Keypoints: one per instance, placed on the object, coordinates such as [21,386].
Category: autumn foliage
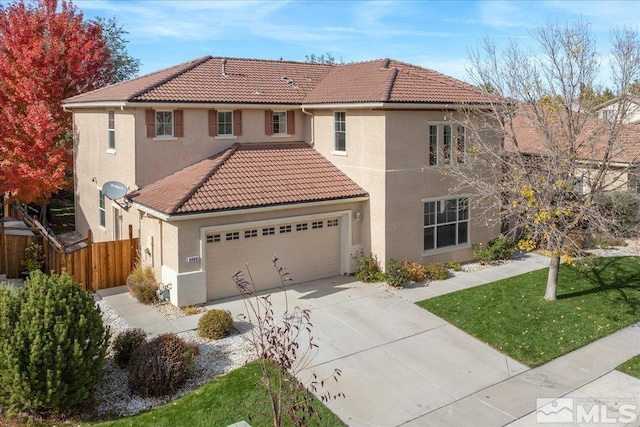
[47,53]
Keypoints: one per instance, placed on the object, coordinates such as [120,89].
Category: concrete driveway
[398,361]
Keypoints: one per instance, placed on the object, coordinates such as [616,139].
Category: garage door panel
[307,254]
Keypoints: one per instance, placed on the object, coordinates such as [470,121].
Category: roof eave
[216,214]
[397,105]
[173,104]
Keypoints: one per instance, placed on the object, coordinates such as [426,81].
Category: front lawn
[594,300]
[229,399]
[631,367]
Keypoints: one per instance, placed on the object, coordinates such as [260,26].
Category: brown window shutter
[178,124]
[237,122]
[150,123]
[291,122]
[268,122]
[213,122]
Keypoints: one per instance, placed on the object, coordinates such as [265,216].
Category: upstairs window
[447,144]
[164,123]
[225,123]
[281,123]
[340,129]
[111,129]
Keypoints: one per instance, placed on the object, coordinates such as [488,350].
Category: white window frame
[111,131]
[342,131]
[102,211]
[447,152]
[282,123]
[158,124]
[225,123]
[433,220]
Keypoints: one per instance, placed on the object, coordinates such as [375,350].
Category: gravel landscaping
[111,395]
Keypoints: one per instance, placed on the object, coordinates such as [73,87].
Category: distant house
[227,162]
[629,112]
[591,148]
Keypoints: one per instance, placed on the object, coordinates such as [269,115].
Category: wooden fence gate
[93,265]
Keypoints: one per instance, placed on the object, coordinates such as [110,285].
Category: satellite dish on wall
[114,190]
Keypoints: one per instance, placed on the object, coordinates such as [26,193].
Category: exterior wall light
[358,216]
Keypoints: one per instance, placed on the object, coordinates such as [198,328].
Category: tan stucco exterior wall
[95,164]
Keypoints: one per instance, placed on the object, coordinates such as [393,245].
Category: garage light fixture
[357,216]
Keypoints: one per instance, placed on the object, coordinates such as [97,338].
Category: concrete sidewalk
[405,366]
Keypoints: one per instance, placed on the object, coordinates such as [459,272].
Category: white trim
[168,217]
[181,105]
[111,151]
[281,135]
[445,250]
[225,137]
[164,138]
[339,153]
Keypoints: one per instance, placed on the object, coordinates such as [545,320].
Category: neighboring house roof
[388,80]
[250,176]
[591,144]
[235,80]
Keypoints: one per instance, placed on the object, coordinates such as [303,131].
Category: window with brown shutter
[268,122]
[237,122]
[150,123]
[291,122]
[213,123]
[178,124]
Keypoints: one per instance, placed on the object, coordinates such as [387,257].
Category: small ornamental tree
[52,344]
[284,346]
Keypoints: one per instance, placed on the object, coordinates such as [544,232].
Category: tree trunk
[552,279]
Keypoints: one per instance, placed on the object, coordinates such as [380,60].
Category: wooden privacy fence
[94,265]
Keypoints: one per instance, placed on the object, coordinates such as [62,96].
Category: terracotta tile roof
[249,176]
[388,80]
[590,145]
[285,82]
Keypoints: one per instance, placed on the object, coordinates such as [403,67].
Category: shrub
[396,274]
[52,344]
[215,324]
[367,267]
[125,344]
[499,248]
[160,366]
[436,271]
[622,208]
[142,284]
[33,258]
[454,265]
[416,271]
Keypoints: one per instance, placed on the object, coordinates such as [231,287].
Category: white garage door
[309,250]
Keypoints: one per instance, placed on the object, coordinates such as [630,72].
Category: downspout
[312,125]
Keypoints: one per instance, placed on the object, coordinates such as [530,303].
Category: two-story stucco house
[230,161]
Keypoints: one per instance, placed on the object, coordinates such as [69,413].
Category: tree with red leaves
[47,53]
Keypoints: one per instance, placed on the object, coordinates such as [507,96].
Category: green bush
[33,257]
[160,366]
[126,343]
[52,344]
[142,284]
[416,271]
[436,271]
[367,267]
[622,207]
[454,265]
[215,324]
[500,248]
[396,273]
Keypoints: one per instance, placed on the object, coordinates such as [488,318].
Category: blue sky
[433,34]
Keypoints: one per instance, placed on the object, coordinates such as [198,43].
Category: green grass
[233,397]
[594,300]
[631,367]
